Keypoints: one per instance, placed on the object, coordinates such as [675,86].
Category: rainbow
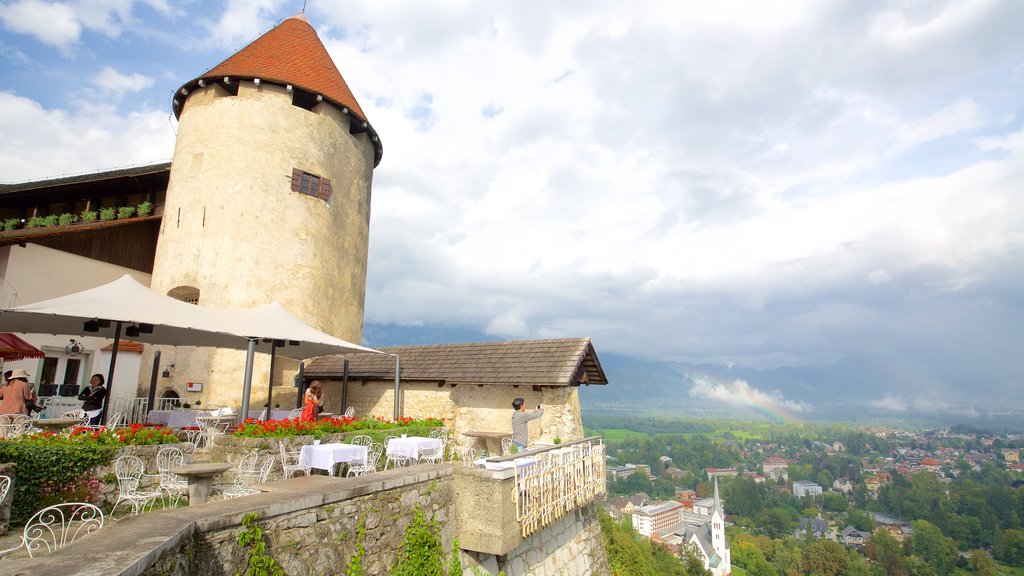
[739,393]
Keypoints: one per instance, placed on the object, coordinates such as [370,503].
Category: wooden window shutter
[296,179]
[325,190]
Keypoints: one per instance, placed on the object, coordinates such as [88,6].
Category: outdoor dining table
[57,424]
[492,440]
[412,446]
[173,418]
[327,456]
[200,479]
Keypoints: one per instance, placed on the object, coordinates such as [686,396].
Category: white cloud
[110,80]
[960,116]
[86,140]
[242,21]
[51,23]
[923,405]
[739,393]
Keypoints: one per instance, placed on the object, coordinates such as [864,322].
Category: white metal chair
[59,525]
[468,456]
[373,452]
[171,485]
[212,425]
[5,487]
[433,455]
[76,413]
[245,467]
[113,422]
[290,463]
[293,414]
[361,440]
[350,412]
[129,471]
[397,460]
[263,415]
[14,425]
[441,435]
[506,446]
[244,484]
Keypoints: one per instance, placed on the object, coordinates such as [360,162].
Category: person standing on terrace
[314,402]
[520,419]
[16,393]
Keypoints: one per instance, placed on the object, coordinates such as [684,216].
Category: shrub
[125,212]
[145,208]
[66,219]
[108,214]
[288,427]
[11,224]
[51,220]
[35,222]
[89,216]
[51,469]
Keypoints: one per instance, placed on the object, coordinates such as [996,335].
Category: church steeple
[718,503]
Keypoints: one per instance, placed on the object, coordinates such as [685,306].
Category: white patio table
[327,456]
[412,446]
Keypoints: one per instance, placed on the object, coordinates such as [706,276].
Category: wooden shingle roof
[558,362]
[290,53]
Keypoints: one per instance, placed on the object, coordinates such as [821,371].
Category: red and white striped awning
[14,348]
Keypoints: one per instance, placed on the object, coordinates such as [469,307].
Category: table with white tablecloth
[327,456]
[274,414]
[413,446]
[173,418]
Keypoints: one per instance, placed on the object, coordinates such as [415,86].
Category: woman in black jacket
[92,398]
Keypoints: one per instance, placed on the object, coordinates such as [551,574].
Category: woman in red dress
[314,394]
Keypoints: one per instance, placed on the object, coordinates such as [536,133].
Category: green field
[616,433]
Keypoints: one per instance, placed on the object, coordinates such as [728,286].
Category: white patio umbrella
[154,318]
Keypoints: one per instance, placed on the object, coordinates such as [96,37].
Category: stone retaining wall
[572,546]
[310,526]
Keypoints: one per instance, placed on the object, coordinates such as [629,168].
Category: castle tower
[268,198]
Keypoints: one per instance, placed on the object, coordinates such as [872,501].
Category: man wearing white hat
[15,393]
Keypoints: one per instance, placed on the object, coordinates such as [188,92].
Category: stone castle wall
[311,526]
[466,406]
[571,546]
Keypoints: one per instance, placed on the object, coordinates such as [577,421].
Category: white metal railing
[54,406]
[134,409]
[553,482]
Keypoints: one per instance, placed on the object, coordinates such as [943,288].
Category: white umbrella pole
[250,353]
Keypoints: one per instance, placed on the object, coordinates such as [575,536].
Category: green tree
[982,563]
[745,496]
[824,557]
[917,566]
[859,520]
[932,547]
[885,551]
[833,502]
[1013,547]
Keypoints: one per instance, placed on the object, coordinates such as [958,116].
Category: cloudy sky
[765,183]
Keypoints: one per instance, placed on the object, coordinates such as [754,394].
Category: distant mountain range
[876,389]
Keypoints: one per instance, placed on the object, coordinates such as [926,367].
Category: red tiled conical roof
[290,53]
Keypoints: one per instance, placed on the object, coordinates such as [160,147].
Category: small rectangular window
[311,184]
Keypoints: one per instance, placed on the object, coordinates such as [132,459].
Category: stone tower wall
[233,228]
